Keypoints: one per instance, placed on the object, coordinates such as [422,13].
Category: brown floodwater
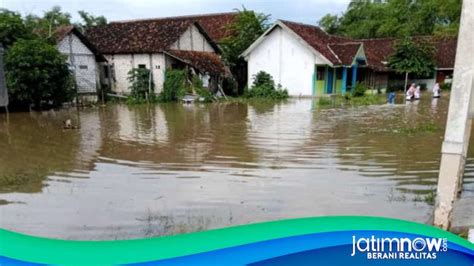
[142,171]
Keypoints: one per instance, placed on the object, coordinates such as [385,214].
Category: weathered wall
[123,63]
[83,60]
[287,59]
[192,40]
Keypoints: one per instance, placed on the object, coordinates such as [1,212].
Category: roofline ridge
[173,17]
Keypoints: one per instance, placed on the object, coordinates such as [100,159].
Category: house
[161,44]
[309,62]
[83,59]
[306,60]
[379,76]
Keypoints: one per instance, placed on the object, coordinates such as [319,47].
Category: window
[141,66]
[106,71]
[320,72]
[339,73]
[84,67]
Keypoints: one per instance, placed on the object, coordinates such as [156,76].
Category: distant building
[188,42]
[82,58]
[309,62]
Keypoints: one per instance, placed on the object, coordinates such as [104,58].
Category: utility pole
[458,127]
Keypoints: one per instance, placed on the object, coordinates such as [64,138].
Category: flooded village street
[142,171]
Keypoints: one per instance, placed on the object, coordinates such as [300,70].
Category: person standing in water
[417,92]
[436,91]
[410,92]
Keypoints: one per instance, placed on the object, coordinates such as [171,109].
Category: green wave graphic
[54,251]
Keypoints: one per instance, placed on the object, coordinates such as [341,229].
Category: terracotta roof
[203,61]
[156,35]
[63,31]
[324,43]
[216,25]
[346,52]
[137,37]
[378,51]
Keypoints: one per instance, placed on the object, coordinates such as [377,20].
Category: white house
[305,60]
[82,58]
[156,44]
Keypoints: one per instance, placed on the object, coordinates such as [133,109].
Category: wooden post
[458,127]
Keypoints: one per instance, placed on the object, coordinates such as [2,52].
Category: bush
[264,87]
[174,87]
[204,94]
[359,90]
[38,74]
[142,88]
[446,86]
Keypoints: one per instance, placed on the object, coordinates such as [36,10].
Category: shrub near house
[37,74]
[264,87]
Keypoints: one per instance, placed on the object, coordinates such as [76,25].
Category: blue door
[330,81]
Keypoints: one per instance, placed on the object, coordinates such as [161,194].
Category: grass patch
[429,198]
[428,127]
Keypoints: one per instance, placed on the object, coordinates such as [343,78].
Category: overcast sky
[308,11]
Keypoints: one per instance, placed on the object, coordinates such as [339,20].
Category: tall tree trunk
[405,87]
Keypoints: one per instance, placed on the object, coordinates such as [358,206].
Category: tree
[247,27]
[12,27]
[412,57]
[142,86]
[37,74]
[51,20]
[174,86]
[89,20]
[396,18]
[329,23]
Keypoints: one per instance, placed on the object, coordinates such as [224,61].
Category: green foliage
[428,127]
[264,87]
[141,84]
[174,87]
[230,86]
[413,57]
[89,20]
[329,23]
[247,27]
[204,94]
[324,102]
[359,90]
[12,28]
[37,73]
[446,86]
[368,99]
[396,18]
[50,21]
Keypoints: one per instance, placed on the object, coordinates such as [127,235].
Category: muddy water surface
[131,172]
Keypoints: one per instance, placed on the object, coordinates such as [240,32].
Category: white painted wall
[123,63]
[83,60]
[192,40]
[287,59]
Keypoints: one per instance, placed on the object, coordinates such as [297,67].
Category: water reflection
[151,170]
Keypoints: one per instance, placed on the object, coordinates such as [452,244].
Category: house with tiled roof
[186,42]
[309,62]
[82,58]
